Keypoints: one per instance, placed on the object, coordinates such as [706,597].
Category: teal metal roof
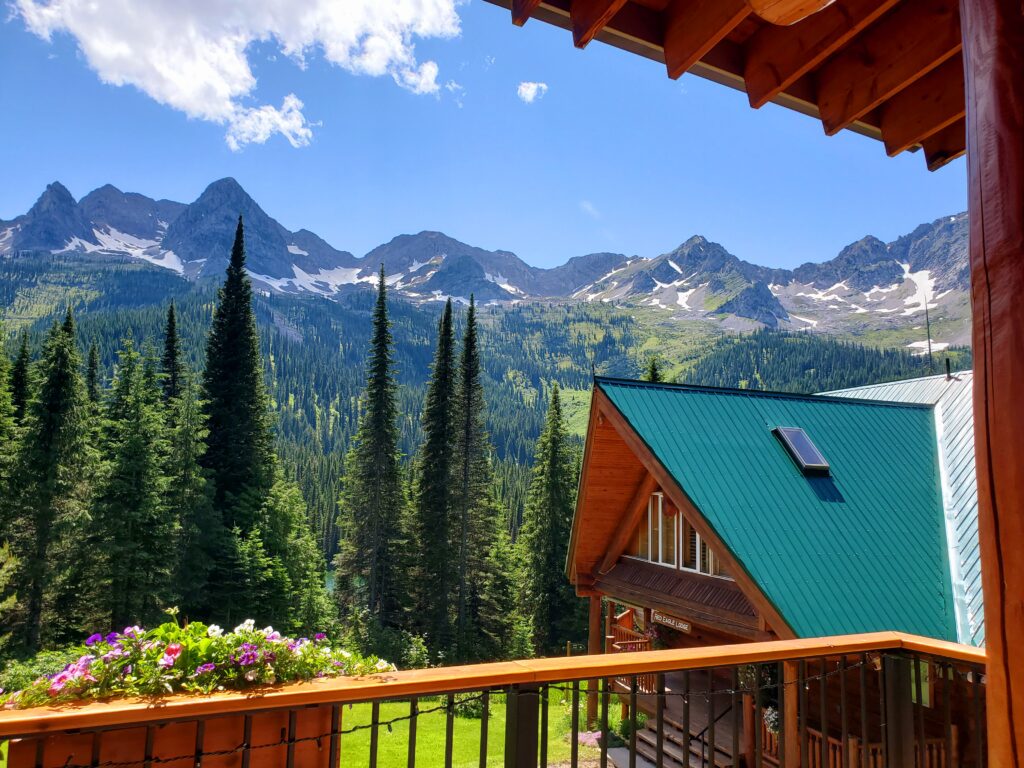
[862,550]
[954,421]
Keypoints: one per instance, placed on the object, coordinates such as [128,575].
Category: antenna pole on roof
[949,370]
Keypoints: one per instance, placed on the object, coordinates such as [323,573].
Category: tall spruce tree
[92,373]
[170,364]
[8,424]
[50,496]
[431,525]
[653,372]
[475,511]
[239,453]
[20,378]
[134,528]
[548,600]
[368,563]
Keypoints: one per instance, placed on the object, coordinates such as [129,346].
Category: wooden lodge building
[713,516]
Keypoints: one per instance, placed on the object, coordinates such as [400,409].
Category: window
[664,536]
[804,452]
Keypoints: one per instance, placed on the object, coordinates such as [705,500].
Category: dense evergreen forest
[432,417]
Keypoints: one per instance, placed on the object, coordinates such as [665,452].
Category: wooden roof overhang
[618,475]
[888,69]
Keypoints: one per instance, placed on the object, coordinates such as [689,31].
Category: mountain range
[870,286]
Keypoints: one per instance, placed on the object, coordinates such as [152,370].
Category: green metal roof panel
[862,550]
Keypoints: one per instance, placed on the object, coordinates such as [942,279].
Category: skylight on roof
[804,452]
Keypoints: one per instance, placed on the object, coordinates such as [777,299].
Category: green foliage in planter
[194,658]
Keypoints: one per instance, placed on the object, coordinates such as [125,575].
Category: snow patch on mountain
[924,287]
[293,248]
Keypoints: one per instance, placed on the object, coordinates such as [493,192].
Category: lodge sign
[670,621]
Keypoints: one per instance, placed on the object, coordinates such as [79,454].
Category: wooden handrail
[443,680]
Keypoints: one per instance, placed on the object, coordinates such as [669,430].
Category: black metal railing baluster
[736,713]
[844,723]
[150,734]
[883,727]
[659,746]
[947,677]
[865,733]
[711,719]
[414,708]
[632,721]
[823,711]
[780,709]
[449,730]
[686,715]
[97,741]
[574,745]
[40,752]
[246,741]
[485,716]
[544,692]
[292,724]
[374,732]
[758,718]
[979,719]
[603,687]
[801,678]
[200,737]
[335,748]
[922,745]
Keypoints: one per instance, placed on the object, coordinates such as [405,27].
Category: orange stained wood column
[790,712]
[993,47]
[594,637]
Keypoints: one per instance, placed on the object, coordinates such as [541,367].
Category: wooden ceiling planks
[854,65]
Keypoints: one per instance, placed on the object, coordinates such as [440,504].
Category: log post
[748,730]
[790,714]
[993,50]
[594,638]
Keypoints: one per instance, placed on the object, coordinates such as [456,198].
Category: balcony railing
[884,700]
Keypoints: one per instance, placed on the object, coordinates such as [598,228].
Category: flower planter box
[219,739]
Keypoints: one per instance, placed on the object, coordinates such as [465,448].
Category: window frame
[679,525]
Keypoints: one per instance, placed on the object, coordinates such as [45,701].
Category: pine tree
[92,373]
[431,528]
[50,495]
[20,379]
[170,364]
[8,423]
[504,633]
[475,511]
[239,452]
[8,598]
[653,370]
[373,500]
[547,598]
[135,529]
[189,499]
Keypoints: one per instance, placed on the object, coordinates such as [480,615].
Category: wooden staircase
[676,754]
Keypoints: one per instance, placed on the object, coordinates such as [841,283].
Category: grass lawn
[430,736]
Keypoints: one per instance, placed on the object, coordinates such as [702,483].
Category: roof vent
[804,452]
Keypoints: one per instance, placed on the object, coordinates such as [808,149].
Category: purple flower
[112,638]
[93,639]
[250,655]
[319,637]
[202,669]
[270,656]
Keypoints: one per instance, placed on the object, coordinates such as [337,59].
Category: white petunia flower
[214,631]
[246,626]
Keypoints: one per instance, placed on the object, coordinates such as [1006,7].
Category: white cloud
[529,92]
[194,55]
[457,92]
[590,209]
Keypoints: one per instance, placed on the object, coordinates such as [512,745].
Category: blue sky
[613,156]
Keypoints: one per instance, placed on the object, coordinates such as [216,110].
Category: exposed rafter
[787,12]
[924,108]
[945,146]
[590,16]
[779,56]
[694,27]
[522,10]
[628,523]
[902,47]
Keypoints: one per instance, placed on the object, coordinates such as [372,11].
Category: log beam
[694,27]
[945,146]
[787,12]
[779,56]
[522,10]
[934,102]
[628,523]
[591,16]
[993,39]
[905,45]
[594,647]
